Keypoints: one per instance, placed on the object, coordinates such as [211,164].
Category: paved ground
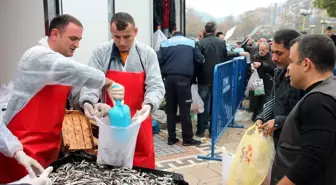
[184,160]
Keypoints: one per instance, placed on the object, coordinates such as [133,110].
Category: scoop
[120,115]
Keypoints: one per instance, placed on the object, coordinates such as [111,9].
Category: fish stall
[77,160]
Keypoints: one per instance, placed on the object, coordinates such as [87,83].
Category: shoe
[172,142]
[192,142]
[199,134]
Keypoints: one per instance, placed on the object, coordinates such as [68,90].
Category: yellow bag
[253,158]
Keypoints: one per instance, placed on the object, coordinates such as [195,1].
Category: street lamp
[323,22]
[305,13]
[312,27]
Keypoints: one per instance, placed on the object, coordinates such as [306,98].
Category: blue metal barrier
[228,92]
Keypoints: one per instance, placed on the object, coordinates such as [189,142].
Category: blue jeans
[204,118]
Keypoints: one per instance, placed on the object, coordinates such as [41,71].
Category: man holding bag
[285,96]
[43,83]
[135,66]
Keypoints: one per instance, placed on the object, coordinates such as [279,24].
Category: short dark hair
[285,36]
[121,20]
[329,28]
[210,27]
[320,49]
[219,33]
[177,33]
[304,32]
[61,21]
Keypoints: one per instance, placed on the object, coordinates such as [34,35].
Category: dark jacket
[286,97]
[333,37]
[290,143]
[214,52]
[178,55]
[158,15]
[266,70]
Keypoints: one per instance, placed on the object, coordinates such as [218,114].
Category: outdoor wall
[93,14]
[22,26]
[142,12]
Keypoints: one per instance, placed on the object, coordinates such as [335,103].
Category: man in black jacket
[306,152]
[285,96]
[330,33]
[262,62]
[215,52]
[177,57]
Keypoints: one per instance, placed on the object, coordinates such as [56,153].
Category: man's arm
[317,137]
[160,57]
[92,95]
[198,57]
[154,85]
[9,144]
[58,69]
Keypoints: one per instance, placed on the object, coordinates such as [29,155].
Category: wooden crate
[76,132]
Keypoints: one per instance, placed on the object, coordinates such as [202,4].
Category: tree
[194,23]
[328,5]
[227,24]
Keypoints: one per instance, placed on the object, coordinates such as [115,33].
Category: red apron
[134,84]
[38,126]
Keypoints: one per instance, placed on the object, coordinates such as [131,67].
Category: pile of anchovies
[85,172]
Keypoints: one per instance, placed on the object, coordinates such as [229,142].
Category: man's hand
[258,123]
[43,179]
[256,64]
[268,127]
[89,110]
[31,165]
[102,109]
[116,91]
[143,114]
[245,54]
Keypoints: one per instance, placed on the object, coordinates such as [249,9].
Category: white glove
[102,110]
[41,180]
[89,110]
[29,163]
[143,114]
[116,91]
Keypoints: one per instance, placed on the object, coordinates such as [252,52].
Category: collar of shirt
[312,86]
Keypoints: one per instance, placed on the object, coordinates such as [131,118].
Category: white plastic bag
[197,105]
[226,164]
[253,78]
[158,37]
[259,87]
[117,144]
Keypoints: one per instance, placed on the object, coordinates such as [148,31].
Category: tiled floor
[196,171]
[162,148]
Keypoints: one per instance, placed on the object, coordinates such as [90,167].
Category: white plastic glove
[116,91]
[41,180]
[143,114]
[89,110]
[29,163]
[102,109]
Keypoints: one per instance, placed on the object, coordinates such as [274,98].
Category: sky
[222,8]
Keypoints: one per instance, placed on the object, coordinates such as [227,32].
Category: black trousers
[178,93]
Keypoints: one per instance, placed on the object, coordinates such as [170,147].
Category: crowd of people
[297,71]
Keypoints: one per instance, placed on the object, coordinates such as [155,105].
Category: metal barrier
[229,84]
